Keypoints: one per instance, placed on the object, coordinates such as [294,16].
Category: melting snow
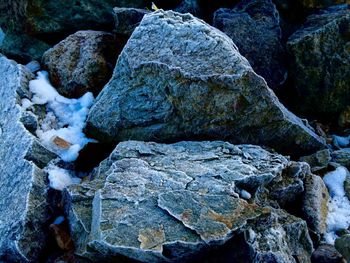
[65,117]
[339,205]
[60,178]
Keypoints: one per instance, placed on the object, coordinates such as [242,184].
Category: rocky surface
[26,22]
[127,19]
[254,27]
[319,160]
[157,202]
[82,62]
[320,62]
[165,89]
[342,244]
[315,201]
[23,207]
[326,254]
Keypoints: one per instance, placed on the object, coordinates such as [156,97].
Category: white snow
[60,178]
[65,117]
[339,205]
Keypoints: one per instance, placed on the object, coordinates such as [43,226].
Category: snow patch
[60,178]
[339,205]
[65,117]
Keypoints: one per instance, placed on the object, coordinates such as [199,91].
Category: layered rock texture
[254,27]
[23,207]
[82,62]
[163,203]
[164,88]
[320,61]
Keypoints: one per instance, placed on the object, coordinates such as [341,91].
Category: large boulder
[158,203]
[320,62]
[50,21]
[254,27]
[164,88]
[23,207]
[82,62]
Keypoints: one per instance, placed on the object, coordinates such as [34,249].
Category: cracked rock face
[179,78]
[23,207]
[155,202]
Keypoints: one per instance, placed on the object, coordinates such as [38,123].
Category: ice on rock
[60,178]
[65,117]
[339,205]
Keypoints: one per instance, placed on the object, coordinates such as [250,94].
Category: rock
[344,118]
[342,244]
[155,202]
[315,204]
[164,88]
[23,207]
[342,157]
[22,47]
[279,237]
[289,187]
[82,62]
[318,161]
[189,6]
[326,254]
[254,27]
[127,19]
[319,57]
[47,22]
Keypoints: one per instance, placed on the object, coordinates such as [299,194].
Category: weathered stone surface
[318,160]
[82,62]
[320,62]
[127,19]
[342,157]
[189,6]
[23,207]
[326,254]
[254,27]
[342,244]
[279,237]
[315,204]
[157,202]
[164,88]
[289,187]
[29,21]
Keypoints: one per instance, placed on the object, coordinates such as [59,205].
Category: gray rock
[254,27]
[318,160]
[342,157]
[319,56]
[155,202]
[127,19]
[82,62]
[315,204]
[23,191]
[50,21]
[327,254]
[279,237]
[342,244]
[164,88]
[189,6]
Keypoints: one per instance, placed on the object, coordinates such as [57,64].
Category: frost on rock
[64,120]
[60,178]
[339,205]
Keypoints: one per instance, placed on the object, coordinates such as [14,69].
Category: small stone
[63,144]
[342,244]
[327,254]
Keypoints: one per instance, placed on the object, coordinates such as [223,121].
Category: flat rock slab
[156,202]
[179,78]
[23,187]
